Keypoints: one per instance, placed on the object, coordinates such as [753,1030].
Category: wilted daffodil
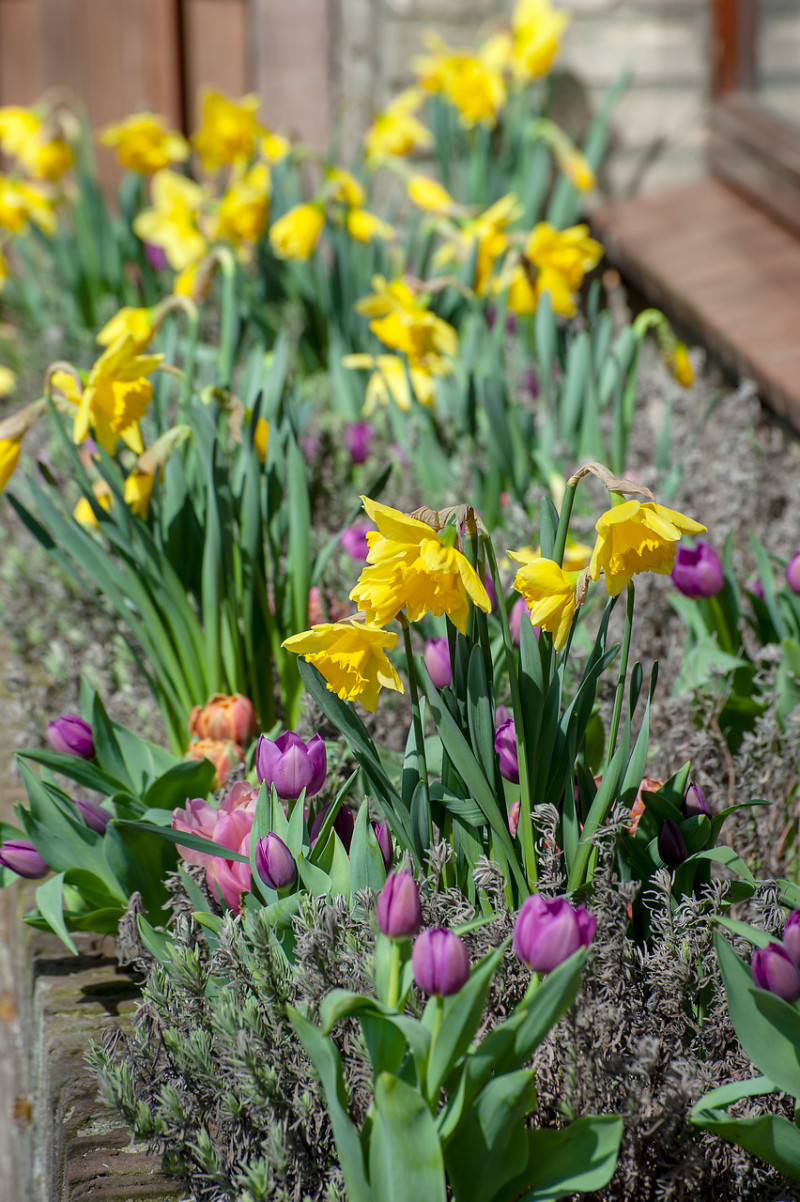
[172,221]
[549,593]
[472,82]
[143,143]
[537,29]
[396,132]
[115,398]
[14,428]
[681,366]
[296,234]
[228,131]
[637,537]
[352,658]
[393,379]
[404,323]
[411,566]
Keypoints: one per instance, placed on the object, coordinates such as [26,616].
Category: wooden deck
[722,269]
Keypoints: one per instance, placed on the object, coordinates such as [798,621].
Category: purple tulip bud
[384,837]
[22,857]
[774,970]
[757,589]
[793,573]
[490,591]
[440,961]
[274,862]
[292,765]
[532,383]
[791,937]
[437,661]
[358,438]
[70,735]
[694,802]
[343,824]
[697,571]
[548,930]
[399,909]
[671,844]
[354,540]
[505,744]
[156,257]
[93,815]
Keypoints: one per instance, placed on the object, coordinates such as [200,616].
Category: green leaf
[770,1137]
[189,778]
[405,1157]
[366,861]
[49,900]
[489,1148]
[576,1159]
[184,838]
[156,942]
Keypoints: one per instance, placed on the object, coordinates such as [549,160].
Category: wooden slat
[216,46]
[724,270]
[292,57]
[734,25]
[20,67]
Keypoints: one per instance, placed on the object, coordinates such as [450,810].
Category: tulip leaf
[754,935]
[405,1157]
[489,1147]
[366,861]
[83,772]
[579,1158]
[141,860]
[185,839]
[316,881]
[769,1136]
[187,778]
[726,856]
[767,1027]
[324,1055]
[49,900]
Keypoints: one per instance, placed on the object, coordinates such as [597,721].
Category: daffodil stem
[623,673]
[193,322]
[228,318]
[563,522]
[416,717]
[525,825]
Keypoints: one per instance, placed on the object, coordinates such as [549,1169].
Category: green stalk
[193,320]
[563,521]
[525,823]
[422,764]
[393,992]
[623,672]
[228,316]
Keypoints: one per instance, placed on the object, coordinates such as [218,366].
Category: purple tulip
[440,961]
[773,970]
[156,257]
[671,844]
[793,573]
[358,438]
[757,589]
[490,591]
[274,862]
[791,937]
[292,765]
[697,571]
[354,540]
[384,837]
[93,815]
[505,744]
[70,735]
[694,802]
[549,930]
[343,824]
[399,909]
[22,857]
[532,383]
[437,661]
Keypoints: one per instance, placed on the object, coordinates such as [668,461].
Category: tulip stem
[419,733]
[393,991]
[623,672]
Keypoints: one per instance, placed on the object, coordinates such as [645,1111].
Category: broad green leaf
[405,1157]
[489,1147]
[575,1159]
[49,900]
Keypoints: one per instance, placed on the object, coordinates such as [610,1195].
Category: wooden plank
[734,25]
[20,69]
[216,40]
[292,65]
[723,269]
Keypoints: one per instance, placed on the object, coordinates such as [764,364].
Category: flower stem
[623,672]
[563,521]
[393,992]
[228,318]
[419,733]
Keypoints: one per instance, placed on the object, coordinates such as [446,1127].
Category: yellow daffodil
[274,147]
[364,226]
[560,258]
[36,144]
[3,269]
[396,132]
[410,566]
[17,125]
[138,323]
[472,82]
[681,366]
[296,234]
[172,221]
[243,211]
[352,658]
[228,131]
[537,29]
[144,144]
[549,593]
[393,379]
[637,537]
[488,230]
[83,512]
[345,188]
[576,167]
[261,439]
[20,203]
[8,381]
[404,323]
[10,449]
[14,428]
[115,398]
[431,196]
[138,491]
[576,556]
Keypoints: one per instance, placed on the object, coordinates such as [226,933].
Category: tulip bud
[274,862]
[358,438]
[292,765]
[399,908]
[548,930]
[791,937]
[222,753]
[697,571]
[513,817]
[774,970]
[95,817]
[671,844]
[70,735]
[343,824]
[384,837]
[224,717]
[505,744]
[22,857]
[793,573]
[694,803]
[440,961]
[354,540]
[437,661]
